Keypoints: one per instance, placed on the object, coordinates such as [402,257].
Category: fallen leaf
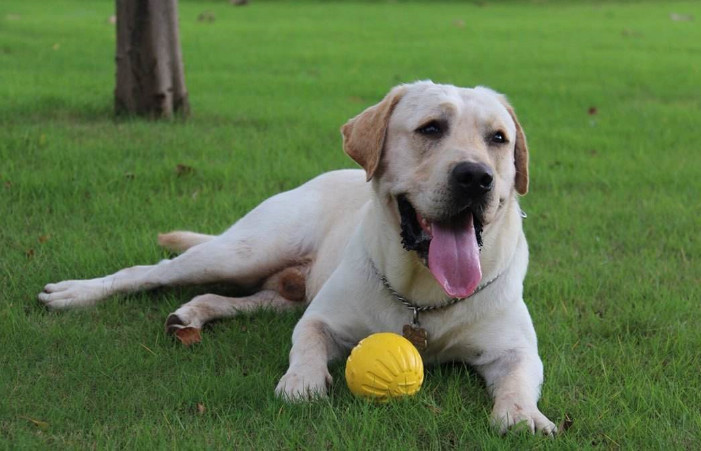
[188,335]
[44,238]
[567,423]
[182,169]
[200,408]
[592,111]
[29,253]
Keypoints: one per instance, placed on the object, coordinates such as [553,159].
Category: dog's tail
[180,241]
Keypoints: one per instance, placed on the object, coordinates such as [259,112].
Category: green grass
[613,223]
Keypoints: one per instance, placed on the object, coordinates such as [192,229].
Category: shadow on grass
[55,108]
[52,108]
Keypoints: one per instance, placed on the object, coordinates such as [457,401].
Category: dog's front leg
[308,375]
[514,379]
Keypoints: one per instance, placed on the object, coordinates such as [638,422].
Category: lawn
[608,94]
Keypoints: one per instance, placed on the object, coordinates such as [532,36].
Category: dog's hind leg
[283,291]
[180,241]
[277,234]
[208,307]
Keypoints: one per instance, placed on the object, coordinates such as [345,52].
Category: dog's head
[446,159]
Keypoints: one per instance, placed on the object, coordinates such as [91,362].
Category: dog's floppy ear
[520,152]
[364,135]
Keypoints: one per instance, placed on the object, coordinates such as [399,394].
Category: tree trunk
[150,74]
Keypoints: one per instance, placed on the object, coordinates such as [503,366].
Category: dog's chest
[440,335]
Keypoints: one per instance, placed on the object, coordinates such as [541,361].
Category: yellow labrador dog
[426,241]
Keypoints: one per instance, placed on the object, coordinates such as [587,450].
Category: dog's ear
[520,152]
[364,135]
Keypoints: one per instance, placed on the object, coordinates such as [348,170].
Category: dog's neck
[408,274]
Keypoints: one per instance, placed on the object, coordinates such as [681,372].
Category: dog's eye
[433,129]
[498,137]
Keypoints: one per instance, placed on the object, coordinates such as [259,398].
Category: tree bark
[150,72]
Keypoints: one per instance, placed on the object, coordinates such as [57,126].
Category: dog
[426,240]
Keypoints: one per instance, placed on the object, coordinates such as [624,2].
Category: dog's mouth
[449,247]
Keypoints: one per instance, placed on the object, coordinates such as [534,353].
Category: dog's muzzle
[450,243]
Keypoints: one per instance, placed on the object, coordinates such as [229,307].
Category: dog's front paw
[72,293]
[513,415]
[303,385]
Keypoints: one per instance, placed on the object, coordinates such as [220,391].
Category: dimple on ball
[384,365]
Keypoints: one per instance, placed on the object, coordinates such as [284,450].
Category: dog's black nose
[473,179]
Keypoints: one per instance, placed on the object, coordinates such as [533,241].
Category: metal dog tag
[418,336]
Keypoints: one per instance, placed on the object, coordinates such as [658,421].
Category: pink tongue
[453,258]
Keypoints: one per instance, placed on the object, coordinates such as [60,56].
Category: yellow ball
[384,365]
